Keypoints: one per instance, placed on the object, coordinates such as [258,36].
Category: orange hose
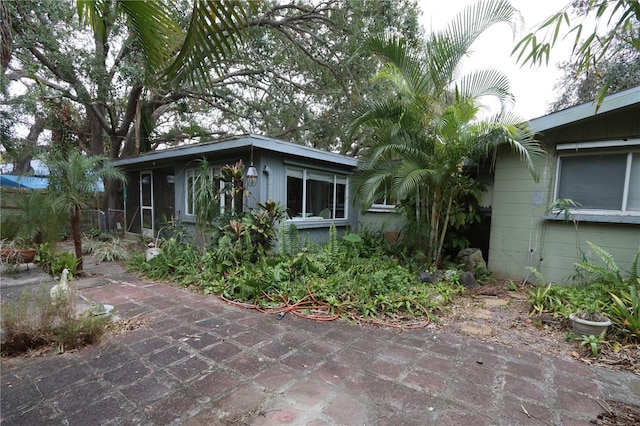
[321,311]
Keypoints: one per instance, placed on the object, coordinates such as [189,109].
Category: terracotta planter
[391,237]
[582,327]
[17,256]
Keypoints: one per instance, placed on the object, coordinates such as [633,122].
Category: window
[601,183]
[386,202]
[316,195]
[228,203]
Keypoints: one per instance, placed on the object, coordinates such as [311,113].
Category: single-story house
[312,184]
[594,161]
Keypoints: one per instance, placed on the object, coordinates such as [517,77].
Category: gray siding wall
[271,184]
[521,238]
[180,183]
[382,221]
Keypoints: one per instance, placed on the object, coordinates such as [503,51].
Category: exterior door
[146,203]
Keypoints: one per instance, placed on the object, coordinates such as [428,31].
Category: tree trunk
[443,231]
[77,237]
[23,159]
[97,132]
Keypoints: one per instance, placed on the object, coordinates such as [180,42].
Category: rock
[468,280]
[477,329]
[449,274]
[425,277]
[472,260]
[437,299]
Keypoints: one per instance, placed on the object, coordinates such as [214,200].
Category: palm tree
[180,57]
[74,182]
[419,139]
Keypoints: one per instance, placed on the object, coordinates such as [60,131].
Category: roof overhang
[619,100]
[237,144]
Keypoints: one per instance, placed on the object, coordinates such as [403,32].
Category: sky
[532,87]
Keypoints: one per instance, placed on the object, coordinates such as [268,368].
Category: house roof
[619,100]
[30,182]
[237,143]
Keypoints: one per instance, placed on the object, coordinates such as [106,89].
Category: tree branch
[130,111]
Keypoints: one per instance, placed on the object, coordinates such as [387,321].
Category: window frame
[632,152]
[213,172]
[307,174]
[385,206]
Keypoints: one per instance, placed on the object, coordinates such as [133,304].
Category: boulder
[468,280]
[472,260]
[425,277]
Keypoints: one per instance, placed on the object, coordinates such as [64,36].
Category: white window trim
[584,212]
[598,144]
[383,207]
[213,171]
[336,178]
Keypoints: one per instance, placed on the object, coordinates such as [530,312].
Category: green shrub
[609,291]
[53,262]
[608,272]
[111,250]
[345,276]
[625,312]
[65,260]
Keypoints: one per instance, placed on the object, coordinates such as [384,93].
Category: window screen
[593,181]
[633,201]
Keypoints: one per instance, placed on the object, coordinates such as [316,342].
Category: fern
[333,247]
[634,267]
[248,249]
[283,244]
[294,239]
[610,273]
[289,239]
[606,258]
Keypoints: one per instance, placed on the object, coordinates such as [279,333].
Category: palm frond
[487,82]
[409,176]
[156,30]
[92,12]
[447,48]
[406,61]
[75,178]
[214,30]
[371,183]
[506,130]
[374,113]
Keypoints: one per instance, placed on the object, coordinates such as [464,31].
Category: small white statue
[61,289]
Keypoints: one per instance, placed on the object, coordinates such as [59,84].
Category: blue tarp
[29,182]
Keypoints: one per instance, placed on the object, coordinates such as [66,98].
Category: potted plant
[27,221]
[16,251]
[589,323]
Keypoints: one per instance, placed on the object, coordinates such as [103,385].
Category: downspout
[269,187]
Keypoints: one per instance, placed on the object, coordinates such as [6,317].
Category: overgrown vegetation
[608,290]
[54,262]
[352,277]
[424,129]
[110,250]
[35,321]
